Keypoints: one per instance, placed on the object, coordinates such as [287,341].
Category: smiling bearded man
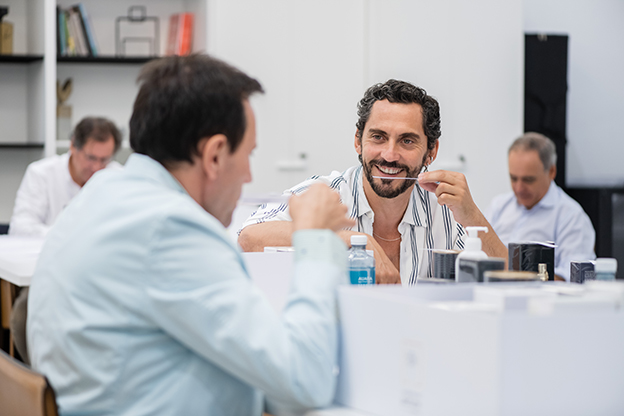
[396,138]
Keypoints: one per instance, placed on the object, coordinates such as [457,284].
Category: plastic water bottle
[361,264]
[605,268]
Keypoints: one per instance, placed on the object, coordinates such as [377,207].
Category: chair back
[24,392]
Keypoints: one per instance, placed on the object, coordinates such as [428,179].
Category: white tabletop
[18,258]
[337,411]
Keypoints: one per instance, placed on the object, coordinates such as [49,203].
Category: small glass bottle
[542,272]
[361,264]
[605,268]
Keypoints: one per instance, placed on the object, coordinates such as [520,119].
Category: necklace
[385,239]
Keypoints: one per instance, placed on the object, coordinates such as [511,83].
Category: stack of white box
[474,349]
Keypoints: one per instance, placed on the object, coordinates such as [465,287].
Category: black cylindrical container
[444,264]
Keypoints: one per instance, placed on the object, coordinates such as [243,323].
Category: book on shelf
[87,28]
[75,34]
[71,41]
[6,38]
[173,34]
[180,37]
[75,28]
[185,37]
[60,34]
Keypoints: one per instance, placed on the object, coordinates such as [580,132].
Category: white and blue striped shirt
[426,225]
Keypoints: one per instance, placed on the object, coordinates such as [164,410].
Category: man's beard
[385,188]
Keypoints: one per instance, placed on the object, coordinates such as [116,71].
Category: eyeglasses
[94,159]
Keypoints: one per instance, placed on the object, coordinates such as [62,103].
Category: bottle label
[599,276]
[362,276]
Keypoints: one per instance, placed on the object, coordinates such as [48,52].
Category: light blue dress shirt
[556,217]
[141,305]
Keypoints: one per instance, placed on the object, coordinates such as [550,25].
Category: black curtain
[545,92]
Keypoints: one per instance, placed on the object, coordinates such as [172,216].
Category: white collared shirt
[556,217]
[46,189]
[425,226]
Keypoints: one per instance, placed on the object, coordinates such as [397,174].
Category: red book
[185,34]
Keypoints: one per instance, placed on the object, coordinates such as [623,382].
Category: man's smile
[388,171]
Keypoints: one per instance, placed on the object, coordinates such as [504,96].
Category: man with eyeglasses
[48,187]
[49,184]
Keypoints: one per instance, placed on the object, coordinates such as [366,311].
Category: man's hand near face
[451,189]
[319,208]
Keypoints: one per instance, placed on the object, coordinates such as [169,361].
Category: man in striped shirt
[405,211]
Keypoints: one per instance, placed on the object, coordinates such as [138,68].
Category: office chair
[24,392]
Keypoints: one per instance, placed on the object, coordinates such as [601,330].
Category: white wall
[316,59]
[13,164]
[309,58]
[596,82]
[469,55]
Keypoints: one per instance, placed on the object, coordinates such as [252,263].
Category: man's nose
[390,153]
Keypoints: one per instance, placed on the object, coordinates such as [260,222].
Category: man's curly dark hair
[402,92]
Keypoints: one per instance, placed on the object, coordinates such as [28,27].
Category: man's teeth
[389,171]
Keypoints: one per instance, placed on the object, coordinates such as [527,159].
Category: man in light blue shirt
[141,304]
[537,209]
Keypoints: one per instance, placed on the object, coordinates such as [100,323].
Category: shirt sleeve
[203,297]
[575,241]
[31,207]
[493,212]
[266,213]
[279,212]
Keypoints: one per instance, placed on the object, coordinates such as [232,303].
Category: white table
[18,258]
[337,411]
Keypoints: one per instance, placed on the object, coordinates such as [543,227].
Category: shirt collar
[146,167]
[66,172]
[363,208]
[549,200]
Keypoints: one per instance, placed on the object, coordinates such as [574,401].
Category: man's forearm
[267,234]
[493,246]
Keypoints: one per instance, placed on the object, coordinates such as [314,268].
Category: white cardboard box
[406,352]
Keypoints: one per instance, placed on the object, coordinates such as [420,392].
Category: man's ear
[552,172]
[358,143]
[213,152]
[433,153]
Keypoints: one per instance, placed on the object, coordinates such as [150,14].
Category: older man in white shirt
[539,210]
[49,184]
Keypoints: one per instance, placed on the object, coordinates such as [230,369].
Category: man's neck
[388,211]
[72,172]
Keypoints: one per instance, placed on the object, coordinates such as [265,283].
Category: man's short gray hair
[544,147]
